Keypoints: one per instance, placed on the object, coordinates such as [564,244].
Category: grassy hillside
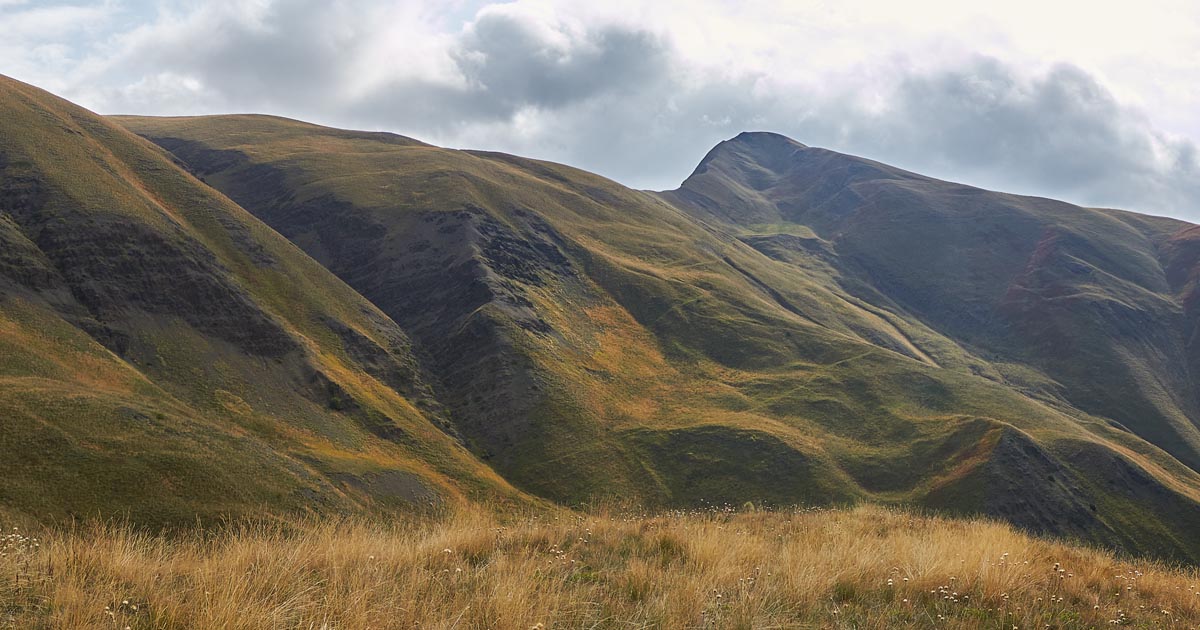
[864,568]
[167,357]
[591,341]
[1092,299]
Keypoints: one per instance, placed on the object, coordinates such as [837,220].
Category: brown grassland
[866,567]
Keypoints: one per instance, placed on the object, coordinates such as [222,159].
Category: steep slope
[591,341]
[1093,299]
[166,356]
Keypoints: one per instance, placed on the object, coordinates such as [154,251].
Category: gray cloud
[512,66]
[622,100]
[515,64]
[280,57]
[1059,134]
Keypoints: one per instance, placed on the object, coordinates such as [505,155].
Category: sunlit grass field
[866,567]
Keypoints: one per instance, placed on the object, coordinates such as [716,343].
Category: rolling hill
[791,325]
[166,357]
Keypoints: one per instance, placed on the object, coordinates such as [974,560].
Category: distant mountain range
[232,315]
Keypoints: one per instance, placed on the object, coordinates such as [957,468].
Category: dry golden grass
[862,568]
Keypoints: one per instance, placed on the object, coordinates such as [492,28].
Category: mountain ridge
[735,348]
[1010,285]
[356,322]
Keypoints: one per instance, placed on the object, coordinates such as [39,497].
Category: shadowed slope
[589,340]
[165,355]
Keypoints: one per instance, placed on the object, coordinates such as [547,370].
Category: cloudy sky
[1093,102]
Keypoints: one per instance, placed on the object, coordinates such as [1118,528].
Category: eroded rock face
[456,281]
[110,266]
[1059,506]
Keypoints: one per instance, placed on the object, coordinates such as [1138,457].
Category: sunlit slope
[1097,301]
[165,355]
[589,340]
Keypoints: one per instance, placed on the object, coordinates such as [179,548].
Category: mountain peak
[762,149]
[733,174]
[764,138]
[752,151]
[760,177]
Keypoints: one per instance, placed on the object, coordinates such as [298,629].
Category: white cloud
[41,40]
[1091,102]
